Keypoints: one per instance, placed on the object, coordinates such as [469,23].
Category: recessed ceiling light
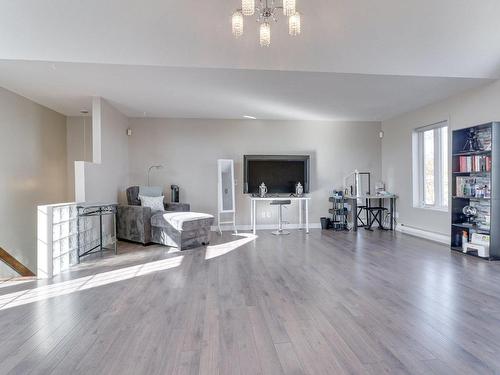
[250,117]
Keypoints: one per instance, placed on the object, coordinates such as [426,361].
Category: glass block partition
[58,238]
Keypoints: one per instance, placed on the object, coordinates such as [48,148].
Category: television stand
[302,201]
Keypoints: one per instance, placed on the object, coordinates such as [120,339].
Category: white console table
[301,200]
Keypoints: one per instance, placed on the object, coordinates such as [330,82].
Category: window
[430,166]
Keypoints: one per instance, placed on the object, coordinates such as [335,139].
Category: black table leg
[354,215]
[381,204]
[100,232]
[392,204]
[78,237]
[114,225]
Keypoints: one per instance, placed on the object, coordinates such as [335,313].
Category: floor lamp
[153,167]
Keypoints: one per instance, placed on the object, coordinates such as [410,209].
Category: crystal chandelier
[267,11]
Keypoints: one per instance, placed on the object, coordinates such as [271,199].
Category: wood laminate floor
[323,303]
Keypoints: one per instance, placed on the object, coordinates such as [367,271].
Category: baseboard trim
[417,232]
[243,227]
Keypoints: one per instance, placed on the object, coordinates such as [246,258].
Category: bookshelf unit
[475,183]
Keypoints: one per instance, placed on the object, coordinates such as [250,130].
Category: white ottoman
[184,230]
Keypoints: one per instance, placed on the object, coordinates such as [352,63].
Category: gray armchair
[133,221]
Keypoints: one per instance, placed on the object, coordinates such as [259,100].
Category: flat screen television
[280,173]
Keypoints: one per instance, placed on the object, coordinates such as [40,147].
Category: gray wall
[189,150]
[32,171]
[470,108]
[106,181]
[103,178]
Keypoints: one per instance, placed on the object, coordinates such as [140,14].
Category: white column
[96,129]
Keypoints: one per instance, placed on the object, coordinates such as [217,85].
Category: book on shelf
[474,163]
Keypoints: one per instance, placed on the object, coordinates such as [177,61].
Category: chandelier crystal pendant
[288,7]
[266,11]
[248,7]
[237,23]
[265,34]
[294,24]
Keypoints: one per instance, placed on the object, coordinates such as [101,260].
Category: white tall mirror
[226,205]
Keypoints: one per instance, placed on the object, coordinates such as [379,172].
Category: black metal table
[93,210]
[354,203]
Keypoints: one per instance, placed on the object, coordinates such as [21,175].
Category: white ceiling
[225,93]
[179,59]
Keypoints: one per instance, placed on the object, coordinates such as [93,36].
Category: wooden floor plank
[323,303]
[289,359]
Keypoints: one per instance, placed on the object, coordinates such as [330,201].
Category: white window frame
[418,168]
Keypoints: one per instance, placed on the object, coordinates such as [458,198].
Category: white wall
[470,108]
[106,178]
[189,150]
[32,171]
[78,146]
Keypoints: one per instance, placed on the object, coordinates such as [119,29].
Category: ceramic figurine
[299,189]
[262,190]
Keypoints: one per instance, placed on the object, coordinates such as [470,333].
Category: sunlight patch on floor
[55,290]
[14,282]
[214,251]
